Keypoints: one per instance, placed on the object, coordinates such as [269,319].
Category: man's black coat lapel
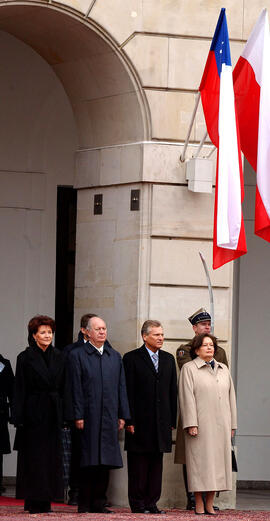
[146,357]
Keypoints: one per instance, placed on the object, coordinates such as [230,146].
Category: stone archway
[91,68]
[73,114]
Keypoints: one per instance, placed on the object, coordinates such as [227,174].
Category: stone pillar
[135,265]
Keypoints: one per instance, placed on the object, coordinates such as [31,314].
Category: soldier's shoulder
[221,349]
[183,349]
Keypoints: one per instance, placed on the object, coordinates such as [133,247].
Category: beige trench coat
[182,357]
[207,400]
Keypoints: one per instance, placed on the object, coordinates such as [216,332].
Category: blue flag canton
[220,43]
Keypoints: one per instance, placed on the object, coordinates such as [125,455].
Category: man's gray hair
[148,324]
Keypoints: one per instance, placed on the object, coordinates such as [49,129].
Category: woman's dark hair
[35,323]
[198,341]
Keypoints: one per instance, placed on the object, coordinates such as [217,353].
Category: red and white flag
[217,96]
[252,95]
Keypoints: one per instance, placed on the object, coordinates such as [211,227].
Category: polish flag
[229,241]
[252,96]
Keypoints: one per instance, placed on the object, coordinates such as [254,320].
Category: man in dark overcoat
[6,397]
[83,338]
[100,409]
[152,392]
[201,323]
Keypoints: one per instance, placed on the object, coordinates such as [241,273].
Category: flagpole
[211,152]
[210,290]
[183,155]
[201,144]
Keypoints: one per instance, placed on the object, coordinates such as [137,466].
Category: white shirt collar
[99,349]
[151,353]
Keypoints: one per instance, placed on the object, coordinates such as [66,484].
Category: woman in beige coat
[208,410]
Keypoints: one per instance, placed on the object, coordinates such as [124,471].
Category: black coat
[100,399]
[6,397]
[42,403]
[152,399]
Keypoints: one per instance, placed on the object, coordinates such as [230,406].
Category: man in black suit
[152,393]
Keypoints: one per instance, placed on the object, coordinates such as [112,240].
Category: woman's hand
[193,431]
[79,424]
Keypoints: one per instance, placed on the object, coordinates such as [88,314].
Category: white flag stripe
[254,47]
[263,155]
[229,212]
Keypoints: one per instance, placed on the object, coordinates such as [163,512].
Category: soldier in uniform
[201,323]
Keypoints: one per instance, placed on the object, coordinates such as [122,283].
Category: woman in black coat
[42,404]
[6,395]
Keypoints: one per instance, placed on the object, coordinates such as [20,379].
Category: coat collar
[38,363]
[199,362]
[91,350]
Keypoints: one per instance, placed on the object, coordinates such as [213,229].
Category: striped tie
[155,361]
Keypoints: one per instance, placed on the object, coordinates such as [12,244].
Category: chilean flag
[217,96]
[252,96]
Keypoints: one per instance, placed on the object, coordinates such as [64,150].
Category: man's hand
[130,428]
[233,432]
[121,424]
[79,424]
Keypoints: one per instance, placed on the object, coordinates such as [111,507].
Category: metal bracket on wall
[98,204]
[134,200]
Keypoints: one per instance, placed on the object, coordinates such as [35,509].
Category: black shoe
[215,507]
[140,511]
[190,504]
[155,510]
[209,513]
[73,501]
[73,495]
[82,510]
[106,510]
[39,511]
[200,513]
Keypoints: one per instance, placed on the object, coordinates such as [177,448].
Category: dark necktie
[212,363]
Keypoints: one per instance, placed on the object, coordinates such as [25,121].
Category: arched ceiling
[105,95]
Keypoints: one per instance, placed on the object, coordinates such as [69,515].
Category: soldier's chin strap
[210,290]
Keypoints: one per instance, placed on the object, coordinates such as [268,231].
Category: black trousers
[144,479]
[93,484]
